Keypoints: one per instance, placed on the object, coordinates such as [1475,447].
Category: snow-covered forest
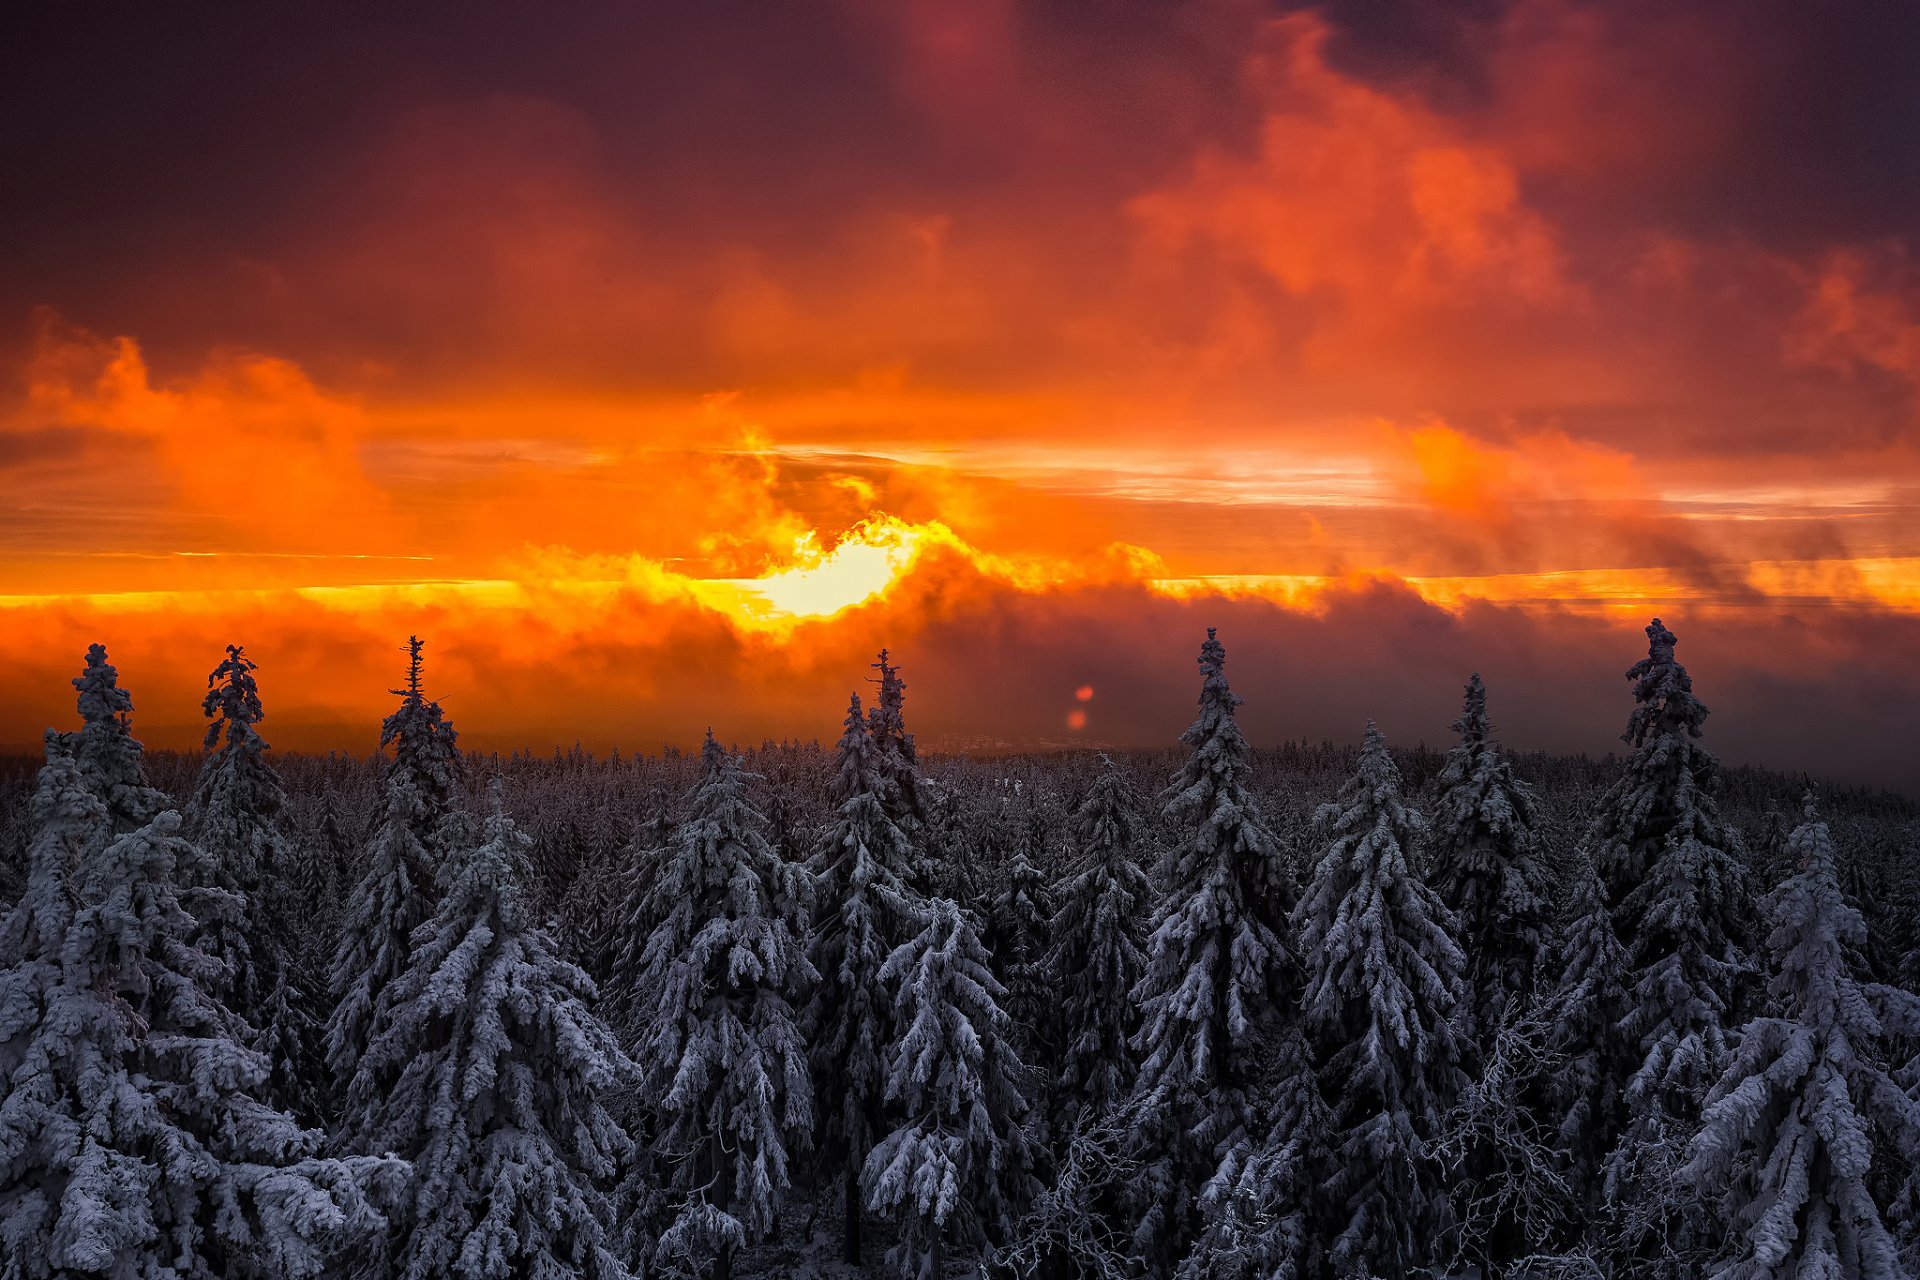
[794,1009]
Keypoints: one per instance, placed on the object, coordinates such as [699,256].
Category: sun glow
[822,582]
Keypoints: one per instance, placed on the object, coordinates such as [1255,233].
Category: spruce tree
[1585,1008]
[1096,955]
[1019,923]
[426,754]
[866,910]
[1384,979]
[1792,1130]
[1483,861]
[395,893]
[1682,912]
[111,760]
[133,1138]
[894,746]
[955,1170]
[720,984]
[491,1074]
[1666,793]
[235,819]
[1216,973]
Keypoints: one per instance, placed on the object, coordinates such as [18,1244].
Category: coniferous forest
[793,1009]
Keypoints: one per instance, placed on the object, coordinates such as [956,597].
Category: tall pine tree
[395,894]
[1384,981]
[491,1074]
[1683,915]
[1096,955]
[111,760]
[133,1138]
[1792,1131]
[866,910]
[1216,972]
[954,1171]
[721,984]
[1484,863]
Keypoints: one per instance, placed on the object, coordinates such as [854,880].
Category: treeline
[1208,1012]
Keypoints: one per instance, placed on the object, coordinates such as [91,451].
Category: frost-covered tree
[426,754]
[235,820]
[955,1170]
[866,909]
[1682,969]
[1216,971]
[1585,1007]
[1682,907]
[1263,1212]
[1792,1130]
[1096,955]
[720,985]
[133,1139]
[491,1074]
[1019,923]
[1483,860]
[391,900]
[395,893]
[69,822]
[894,747]
[1384,979]
[1666,793]
[112,761]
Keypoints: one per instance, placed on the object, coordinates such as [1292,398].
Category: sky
[659,363]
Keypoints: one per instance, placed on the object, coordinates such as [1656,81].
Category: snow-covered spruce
[955,1170]
[1215,975]
[426,753]
[491,1074]
[1263,1211]
[1792,1130]
[894,746]
[235,820]
[112,761]
[1666,793]
[1383,982]
[866,909]
[1019,923]
[723,1058]
[133,1138]
[1585,1008]
[1483,861]
[1683,915]
[395,893]
[1096,955]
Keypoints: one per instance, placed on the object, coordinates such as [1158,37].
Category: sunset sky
[659,362]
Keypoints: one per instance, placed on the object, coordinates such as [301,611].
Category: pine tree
[426,754]
[1096,955]
[490,1074]
[720,982]
[1483,860]
[894,747]
[954,1171]
[1019,924]
[111,759]
[1792,1129]
[235,821]
[1384,979]
[1666,794]
[866,911]
[133,1141]
[1585,1009]
[395,893]
[1682,912]
[1215,975]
